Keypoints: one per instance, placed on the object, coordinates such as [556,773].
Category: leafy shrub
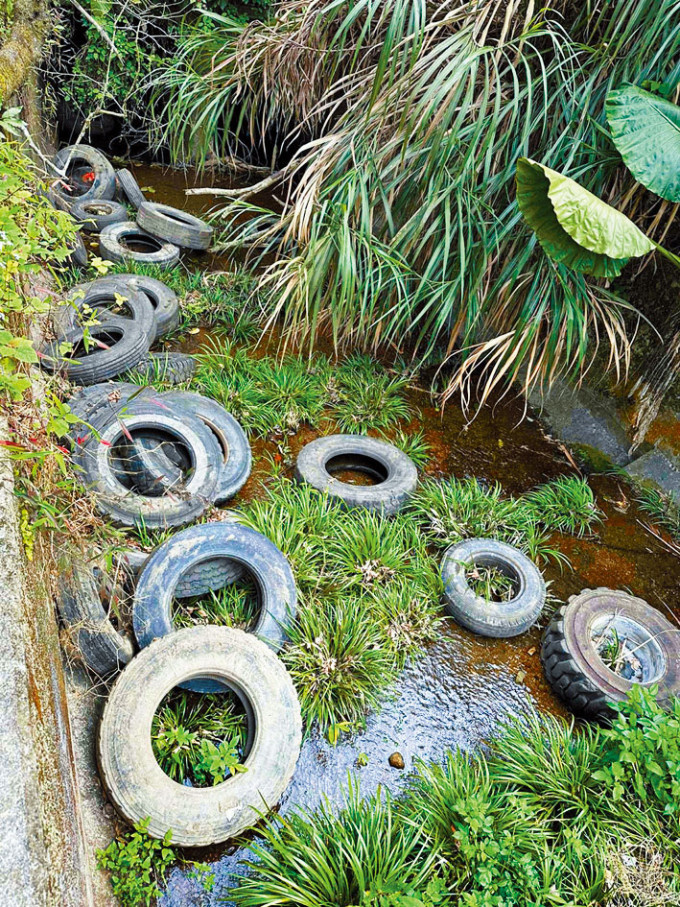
[138,864]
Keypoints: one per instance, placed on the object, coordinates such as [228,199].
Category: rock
[396,760]
[519,677]
[658,468]
[584,419]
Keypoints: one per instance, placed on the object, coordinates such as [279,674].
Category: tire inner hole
[151,462]
[106,304]
[138,242]
[74,184]
[492,579]
[98,339]
[234,599]
[202,739]
[627,649]
[356,469]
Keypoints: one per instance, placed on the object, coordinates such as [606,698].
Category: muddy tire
[100,468]
[115,347]
[164,300]
[152,609]
[104,183]
[175,226]
[137,785]
[129,188]
[488,618]
[103,401]
[173,368]
[97,299]
[96,214]
[102,648]
[574,668]
[113,246]
[237,458]
[395,473]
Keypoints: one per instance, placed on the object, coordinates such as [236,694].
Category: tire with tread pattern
[104,183]
[129,188]
[574,668]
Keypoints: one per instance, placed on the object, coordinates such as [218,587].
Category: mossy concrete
[42,847]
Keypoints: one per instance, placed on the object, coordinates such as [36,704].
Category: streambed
[464,686]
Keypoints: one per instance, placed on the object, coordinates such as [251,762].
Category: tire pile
[97,197]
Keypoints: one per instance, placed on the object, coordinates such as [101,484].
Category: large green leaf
[646,131]
[575,227]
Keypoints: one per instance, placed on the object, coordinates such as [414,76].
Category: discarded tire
[112,348]
[175,226]
[128,242]
[236,455]
[103,184]
[395,474]
[152,467]
[109,296]
[173,368]
[136,784]
[101,469]
[103,398]
[572,657]
[490,618]
[152,609]
[78,257]
[98,213]
[129,187]
[102,648]
[201,579]
[164,300]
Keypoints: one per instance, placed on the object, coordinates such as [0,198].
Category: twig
[100,29]
[244,192]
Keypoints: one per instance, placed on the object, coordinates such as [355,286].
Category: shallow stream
[463,688]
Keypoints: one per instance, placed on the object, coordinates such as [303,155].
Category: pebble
[396,760]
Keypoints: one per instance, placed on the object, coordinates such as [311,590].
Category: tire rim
[640,641]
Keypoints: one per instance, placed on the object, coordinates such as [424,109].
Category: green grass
[366,396]
[550,814]
[235,605]
[199,737]
[661,508]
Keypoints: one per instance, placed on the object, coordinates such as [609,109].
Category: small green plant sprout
[617,655]
[204,874]
[138,865]
[490,583]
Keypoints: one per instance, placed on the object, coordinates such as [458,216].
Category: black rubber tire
[175,226]
[56,199]
[576,672]
[203,578]
[152,608]
[96,214]
[104,183]
[173,368]
[102,648]
[99,364]
[162,298]
[101,400]
[162,254]
[153,471]
[129,188]
[237,458]
[396,473]
[136,784]
[487,618]
[124,506]
[79,256]
[92,297]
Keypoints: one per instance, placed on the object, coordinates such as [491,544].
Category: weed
[138,865]
[235,605]
[661,508]
[567,504]
[342,858]
[199,738]
[413,444]
[490,583]
[366,396]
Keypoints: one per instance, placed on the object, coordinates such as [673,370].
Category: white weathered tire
[137,785]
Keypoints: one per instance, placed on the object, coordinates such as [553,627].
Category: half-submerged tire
[152,609]
[394,472]
[175,226]
[572,663]
[137,785]
[129,187]
[114,245]
[102,648]
[489,618]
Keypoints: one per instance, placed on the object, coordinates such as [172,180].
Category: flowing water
[464,686]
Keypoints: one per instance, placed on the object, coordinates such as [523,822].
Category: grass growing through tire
[550,815]
[370,588]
